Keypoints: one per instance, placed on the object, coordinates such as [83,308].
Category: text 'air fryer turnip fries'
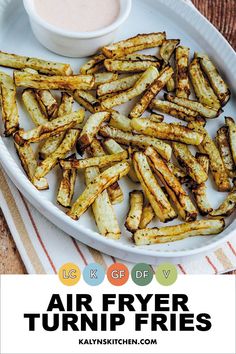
[139,144]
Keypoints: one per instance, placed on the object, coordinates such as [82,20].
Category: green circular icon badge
[142,274]
[166,274]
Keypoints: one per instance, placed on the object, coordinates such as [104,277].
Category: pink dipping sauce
[78,15]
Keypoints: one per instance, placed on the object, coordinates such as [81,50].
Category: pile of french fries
[109,145]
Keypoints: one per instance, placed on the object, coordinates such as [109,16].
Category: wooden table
[222,13]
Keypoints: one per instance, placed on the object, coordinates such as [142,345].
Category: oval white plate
[179,21]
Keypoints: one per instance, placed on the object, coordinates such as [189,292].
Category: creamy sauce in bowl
[78,15]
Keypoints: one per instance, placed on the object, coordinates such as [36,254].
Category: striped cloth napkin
[44,248]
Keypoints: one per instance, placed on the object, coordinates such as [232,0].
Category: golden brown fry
[112,147]
[52,143]
[223,144]
[178,232]
[104,78]
[200,190]
[30,71]
[118,85]
[33,107]
[188,161]
[114,191]
[44,82]
[52,128]
[137,89]
[207,146]
[170,86]
[204,111]
[219,86]
[90,129]
[67,186]
[43,66]
[182,80]
[204,161]
[29,164]
[151,188]
[174,110]
[140,57]
[101,161]
[120,121]
[180,198]
[66,104]
[227,207]
[103,211]
[96,149]
[134,44]
[178,172]
[158,118]
[141,141]
[202,89]
[199,193]
[167,49]
[124,66]
[135,211]
[147,216]
[45,94]
[47,103]
[10,114]
[151,92]
[232,136]
[175,132]
[66,146]
[104,97]
[96,187]
[87,100]
[93,65]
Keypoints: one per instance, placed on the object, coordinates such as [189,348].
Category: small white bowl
[74,44]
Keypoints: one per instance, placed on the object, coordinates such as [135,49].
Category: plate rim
[60,219]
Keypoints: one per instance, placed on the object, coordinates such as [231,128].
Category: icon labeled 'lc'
[69,274]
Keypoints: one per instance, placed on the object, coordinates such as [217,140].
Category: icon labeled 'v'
[166,273]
